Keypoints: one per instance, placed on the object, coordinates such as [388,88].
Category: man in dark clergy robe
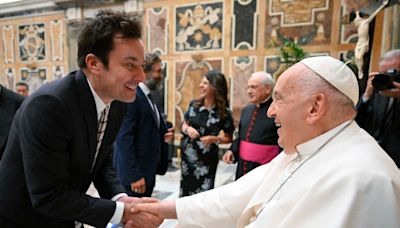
[378,111]
[257,141]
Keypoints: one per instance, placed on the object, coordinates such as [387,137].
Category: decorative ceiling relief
[32,42]
[157,33]
[244,24]
[304,22]
[199,27]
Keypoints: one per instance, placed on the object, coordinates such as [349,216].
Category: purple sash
[257,152]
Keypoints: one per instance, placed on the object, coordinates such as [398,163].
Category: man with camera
[379,108]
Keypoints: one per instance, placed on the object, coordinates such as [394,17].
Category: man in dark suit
[379,111]
[141,148]
[52,155]
[9,103]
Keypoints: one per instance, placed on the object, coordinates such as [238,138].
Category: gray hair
[393,54]
[313,83]
[266,78]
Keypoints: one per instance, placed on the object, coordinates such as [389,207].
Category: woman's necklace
[294,171]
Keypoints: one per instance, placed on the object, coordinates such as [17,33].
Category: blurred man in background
[379,110]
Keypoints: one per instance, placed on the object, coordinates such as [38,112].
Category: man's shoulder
[248,108]
[11,96]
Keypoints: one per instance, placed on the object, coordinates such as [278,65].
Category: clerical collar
[309,147]
[265,102]
[144,88]
[100,105]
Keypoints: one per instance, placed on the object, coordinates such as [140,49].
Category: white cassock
[350,182]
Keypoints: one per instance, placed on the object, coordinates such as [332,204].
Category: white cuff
[119,209]
[364,98]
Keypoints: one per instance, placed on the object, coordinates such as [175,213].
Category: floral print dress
[199,162]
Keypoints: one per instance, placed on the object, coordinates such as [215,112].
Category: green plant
[291,53]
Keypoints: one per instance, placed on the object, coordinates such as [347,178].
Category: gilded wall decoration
[8,43]
[199,27]
[35,77]
[188,75]
[56,39]
[32,42]
[304,22]
[157,33]
[244,24]
[241,70]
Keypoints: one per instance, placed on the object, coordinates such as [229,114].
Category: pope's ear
[93,63]
[317,108]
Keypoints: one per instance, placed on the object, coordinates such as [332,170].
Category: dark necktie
[155,111]
[102,124]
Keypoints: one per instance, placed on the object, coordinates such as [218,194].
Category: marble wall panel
[56,40]
[241,70]
[32,45]
[157,32]
[304,22]
[244,24]
[8,44]
[199,27]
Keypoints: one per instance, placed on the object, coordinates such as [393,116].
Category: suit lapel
[90,114]
[149,108]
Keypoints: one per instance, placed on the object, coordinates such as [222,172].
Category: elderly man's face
[257,91]
[289,108]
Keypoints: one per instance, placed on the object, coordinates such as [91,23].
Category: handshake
[146,212]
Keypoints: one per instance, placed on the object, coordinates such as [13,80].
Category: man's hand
[163,209]
[169,136]
[369,89]
[228,157]
[394,92]
[139,186]
[136,200]
[139,219]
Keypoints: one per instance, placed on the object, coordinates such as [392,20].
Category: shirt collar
[310,147]
[100,105]
[144,88]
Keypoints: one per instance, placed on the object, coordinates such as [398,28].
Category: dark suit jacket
[383,125]
[140,146]
[9,103]
[46,168]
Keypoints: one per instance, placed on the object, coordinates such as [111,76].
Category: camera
[383,81]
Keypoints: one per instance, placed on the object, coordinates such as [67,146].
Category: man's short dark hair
[150,59]
[97,34]
[22,84]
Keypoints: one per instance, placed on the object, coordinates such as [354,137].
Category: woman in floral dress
[204,120]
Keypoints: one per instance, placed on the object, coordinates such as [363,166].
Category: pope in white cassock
[331,173]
